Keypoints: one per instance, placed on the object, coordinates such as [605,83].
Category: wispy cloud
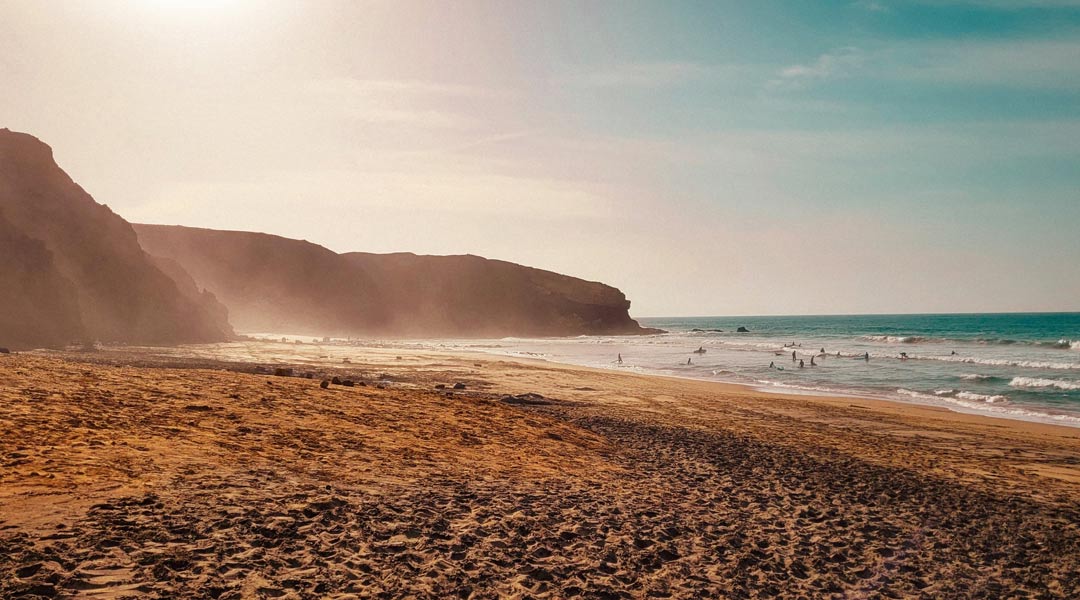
[871,5]
[1046,63]
[835,64]
[652,74]
[409,87]
[409,103]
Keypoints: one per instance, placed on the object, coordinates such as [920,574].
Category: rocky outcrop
[76,269]
[274,284]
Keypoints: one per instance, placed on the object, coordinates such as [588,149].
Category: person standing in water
[812,363]
[620,358]
[792,356]
[772,365]
[866,357]
[801,365]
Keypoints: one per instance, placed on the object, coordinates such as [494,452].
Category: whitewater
[1020,366]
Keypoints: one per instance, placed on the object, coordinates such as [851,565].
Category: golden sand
[194,476]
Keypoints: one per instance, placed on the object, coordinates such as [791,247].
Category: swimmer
[866,357]
[772,365]
[801,365]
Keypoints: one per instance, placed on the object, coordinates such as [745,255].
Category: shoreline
[1069,420]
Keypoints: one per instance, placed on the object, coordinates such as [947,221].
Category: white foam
[981,397]
[1001,362]
[894,339]
[976,377]
[1010,411]
[1036,382]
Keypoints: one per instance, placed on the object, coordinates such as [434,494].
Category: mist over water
[1024,366]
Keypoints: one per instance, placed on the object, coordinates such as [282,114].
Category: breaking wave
[1037,383]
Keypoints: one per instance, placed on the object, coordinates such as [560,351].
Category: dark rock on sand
[324,384]
[348,383]
[529,399]
[283,372]
[336,381]
[459,386]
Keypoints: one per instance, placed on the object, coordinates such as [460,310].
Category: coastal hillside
[275,284]
[73,271]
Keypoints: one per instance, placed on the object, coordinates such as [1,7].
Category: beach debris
[283,372]
[459,386]
[324,384]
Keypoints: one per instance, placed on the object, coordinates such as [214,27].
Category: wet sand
[192,475]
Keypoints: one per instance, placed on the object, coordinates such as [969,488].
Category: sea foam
[1037,382]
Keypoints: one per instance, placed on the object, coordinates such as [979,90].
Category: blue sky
[705,157]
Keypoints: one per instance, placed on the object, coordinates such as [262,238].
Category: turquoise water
[1024,366]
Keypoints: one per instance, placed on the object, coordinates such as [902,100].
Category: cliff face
[90,278]
[274,284]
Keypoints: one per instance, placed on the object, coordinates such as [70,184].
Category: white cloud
[1043,63]
[835,64]
[652,74]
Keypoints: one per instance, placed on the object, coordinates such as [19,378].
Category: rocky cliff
[274,284]
[74,271]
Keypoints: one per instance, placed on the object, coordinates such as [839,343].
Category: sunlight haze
[704,158]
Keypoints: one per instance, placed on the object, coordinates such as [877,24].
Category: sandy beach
[129,473]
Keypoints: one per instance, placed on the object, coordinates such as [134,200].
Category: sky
[707,158]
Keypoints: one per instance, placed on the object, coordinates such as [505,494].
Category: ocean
[1021,366]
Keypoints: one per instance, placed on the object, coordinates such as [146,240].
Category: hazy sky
[705,157]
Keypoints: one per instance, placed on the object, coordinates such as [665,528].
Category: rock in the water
[742,330]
